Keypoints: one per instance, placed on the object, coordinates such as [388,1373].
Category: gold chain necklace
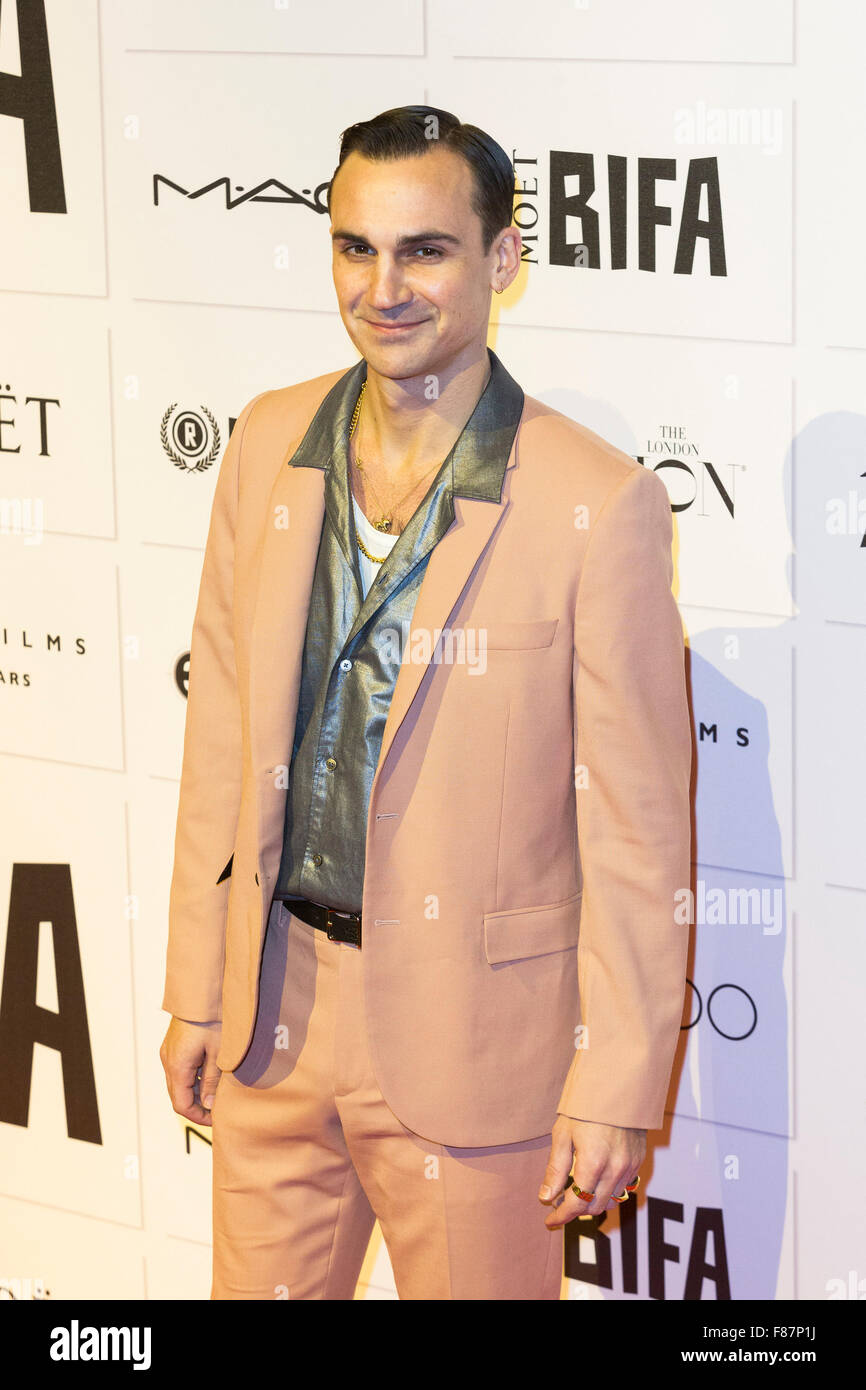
[377,559]
[386,520]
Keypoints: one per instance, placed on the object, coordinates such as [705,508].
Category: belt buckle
[350,930]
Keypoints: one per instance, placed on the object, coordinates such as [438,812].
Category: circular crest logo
[190,443]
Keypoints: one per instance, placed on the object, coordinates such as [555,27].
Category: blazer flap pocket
[518,636]
[532,931]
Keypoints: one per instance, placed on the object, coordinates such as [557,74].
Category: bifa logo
[75,1343]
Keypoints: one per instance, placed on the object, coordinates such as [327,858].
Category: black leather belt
[339,925]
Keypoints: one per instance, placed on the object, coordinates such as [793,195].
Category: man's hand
[187,1049]
[605,1158]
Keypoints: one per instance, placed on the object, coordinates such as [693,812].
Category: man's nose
[386,288]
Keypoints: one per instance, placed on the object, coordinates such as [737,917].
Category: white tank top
[377,542]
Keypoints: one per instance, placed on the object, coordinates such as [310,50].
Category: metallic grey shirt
[353,646]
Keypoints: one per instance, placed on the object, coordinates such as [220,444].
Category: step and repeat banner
[690,190]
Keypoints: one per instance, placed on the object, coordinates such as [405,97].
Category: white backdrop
[140,313]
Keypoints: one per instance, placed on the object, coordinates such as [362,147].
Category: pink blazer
[529,822]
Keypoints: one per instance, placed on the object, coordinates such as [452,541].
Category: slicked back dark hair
[405,131]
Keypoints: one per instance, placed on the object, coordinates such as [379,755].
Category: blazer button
[331,763]
[316,858]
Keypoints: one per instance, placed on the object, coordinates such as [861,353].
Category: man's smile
[395,327]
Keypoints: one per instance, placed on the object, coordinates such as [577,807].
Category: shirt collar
[479,456]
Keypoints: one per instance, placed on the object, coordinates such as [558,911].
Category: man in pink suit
[423,956]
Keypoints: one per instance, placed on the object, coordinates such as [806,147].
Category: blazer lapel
[450,564]
[284,585]
[479,460]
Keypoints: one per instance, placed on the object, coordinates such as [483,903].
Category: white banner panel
[60,654]
[670,30]
[68,1094]
[51,150]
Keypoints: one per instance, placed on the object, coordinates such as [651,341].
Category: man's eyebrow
[342,234]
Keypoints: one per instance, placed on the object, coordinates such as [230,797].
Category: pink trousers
[307,1155]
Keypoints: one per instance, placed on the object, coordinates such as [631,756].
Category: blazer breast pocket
[506,636]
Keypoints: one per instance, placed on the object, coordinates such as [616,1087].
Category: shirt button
[331,763]
[345,664]
[316,858]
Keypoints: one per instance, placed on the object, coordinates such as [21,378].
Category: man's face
[412,282]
